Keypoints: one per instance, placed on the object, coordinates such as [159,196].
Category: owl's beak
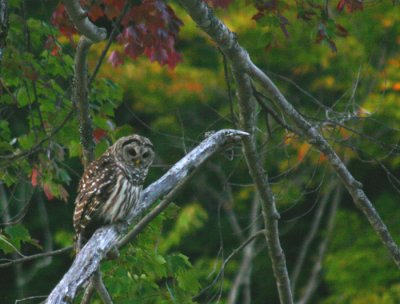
[137,162]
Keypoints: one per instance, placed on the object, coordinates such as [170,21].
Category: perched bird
[110,186]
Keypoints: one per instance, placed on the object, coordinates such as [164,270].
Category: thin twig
[259,97]
[113,34]
[227,41]
[353,186]
[230,256]
[313,281]
[154,212]
[310,236]
[36,256]
[238,58]
[244,272]
[36,147]
[228,86]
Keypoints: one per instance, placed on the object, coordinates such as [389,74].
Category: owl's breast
[123,198]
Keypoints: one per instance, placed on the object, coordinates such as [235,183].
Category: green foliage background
[182,251]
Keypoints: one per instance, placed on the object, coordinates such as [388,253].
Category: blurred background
[339,66]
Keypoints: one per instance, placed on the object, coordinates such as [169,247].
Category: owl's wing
[94,188]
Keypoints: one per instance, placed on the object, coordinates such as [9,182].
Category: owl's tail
[77,243]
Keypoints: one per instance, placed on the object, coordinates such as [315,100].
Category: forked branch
[88,259]
[80,19]
[227,42]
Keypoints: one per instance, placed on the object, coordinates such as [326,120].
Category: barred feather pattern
[111,185]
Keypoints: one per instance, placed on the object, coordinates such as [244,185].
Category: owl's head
[135,152]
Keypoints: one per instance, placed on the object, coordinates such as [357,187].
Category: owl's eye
[146,154]
[132,152]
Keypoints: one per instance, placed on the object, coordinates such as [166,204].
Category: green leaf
[15,3]
[74,148]
[26,141]
[18,234]
[23,97]
[265,39]
[160,259]
[188,281]
[100,148]
[5,130]
[5,245]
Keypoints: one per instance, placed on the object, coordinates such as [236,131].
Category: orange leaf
[47,192]
[322,157]
[303,151]
[34,177]
[396,86]
[96,12]
[288,139]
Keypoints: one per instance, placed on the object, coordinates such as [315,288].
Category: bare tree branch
[36,256]
[316,270]
[90,33]
[18,273]
[226,41]
[80,19]
[310,236]
[3,26]
[315,138]
[256,169]
[80,99]
[113,34]
[88,259]
[155,211]
[244,273]
[230,256]
[238,57]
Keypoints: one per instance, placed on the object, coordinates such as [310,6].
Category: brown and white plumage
[110,186]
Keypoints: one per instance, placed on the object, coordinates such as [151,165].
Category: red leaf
[150,27]
[34,177]
[50,44]
[96,12]
[115,59]
[47,192]
[341,31]
[98,134]
[341,5]
[60,19]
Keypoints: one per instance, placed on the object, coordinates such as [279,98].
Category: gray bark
[4,25]
[238,57]
[88,259]
[82,22]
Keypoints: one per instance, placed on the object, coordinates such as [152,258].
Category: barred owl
[110,186]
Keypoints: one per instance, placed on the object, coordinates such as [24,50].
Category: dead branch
[90,33]
[3,26]
[80,100]
[313,281]
[89,258]
[238,57]
[36,256]
[244,273]
[256,168]
[305,246]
